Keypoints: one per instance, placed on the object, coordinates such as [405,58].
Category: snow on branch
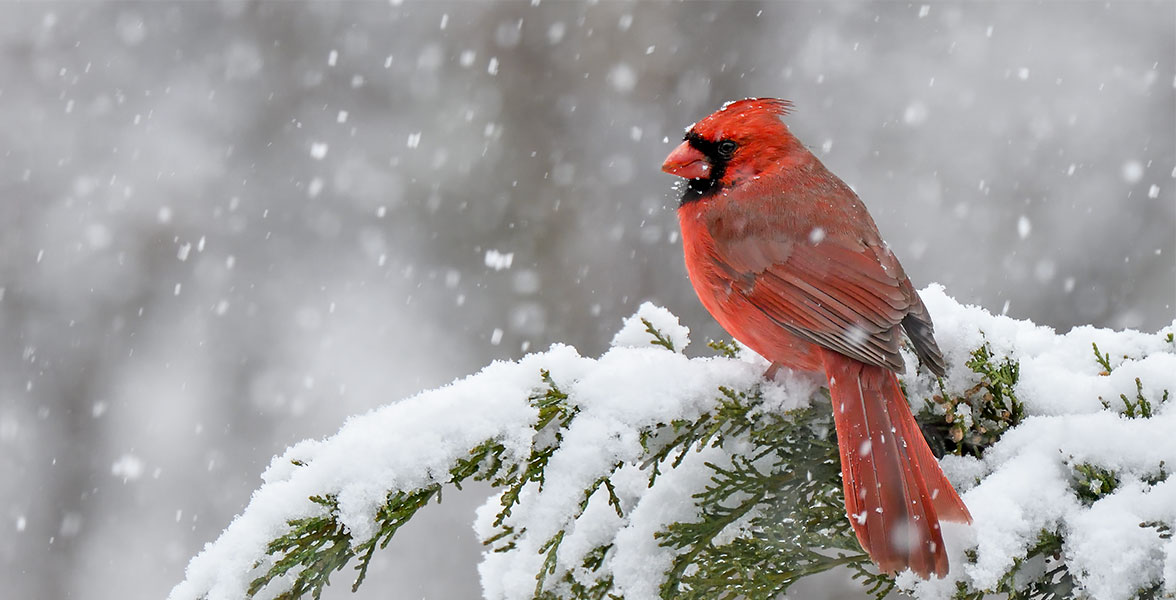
[647,474]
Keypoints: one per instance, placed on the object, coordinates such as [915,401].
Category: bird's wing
[849,297]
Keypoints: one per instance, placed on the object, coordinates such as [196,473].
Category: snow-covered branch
[648,474]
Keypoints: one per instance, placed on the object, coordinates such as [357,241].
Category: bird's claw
[773,369]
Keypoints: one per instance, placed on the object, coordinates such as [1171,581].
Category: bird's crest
[773,105]
[744,116]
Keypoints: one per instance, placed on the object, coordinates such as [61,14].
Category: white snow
[622,77]
[1022,485]
[1024,227]
[915,114]
[131,28]
[816,235]
[634,334]
[498,260]
[128,467]
[1132,171]
[555,33]
[315,187]
[1024,480]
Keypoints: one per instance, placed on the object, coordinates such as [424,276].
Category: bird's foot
[773,369]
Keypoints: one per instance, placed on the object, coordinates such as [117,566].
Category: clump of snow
[1024,227]
[399,446]
[623,78]
[1132,171]
[412,443]
[634,332]
[606,431]
[128,467]
[498,260]
[1024,484]
[915,114]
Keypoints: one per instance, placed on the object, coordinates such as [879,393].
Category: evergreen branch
[724,348]
[1054,582]
[659,339]
[483,463]
[549,548]
[1163,529]
[784,499]
[592,563]
[877,585]
[1093,482]
[731,417]
[1141,407]
[771,514]
[613,500]
[992,404]
[1103,359]
[319,545]
[1161,476]
[555,414]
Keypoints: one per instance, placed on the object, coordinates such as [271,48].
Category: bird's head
[742,140]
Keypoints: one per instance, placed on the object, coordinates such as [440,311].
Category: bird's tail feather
[895,492]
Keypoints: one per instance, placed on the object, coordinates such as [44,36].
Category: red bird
[784,255]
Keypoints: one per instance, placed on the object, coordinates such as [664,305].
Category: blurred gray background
[225,227]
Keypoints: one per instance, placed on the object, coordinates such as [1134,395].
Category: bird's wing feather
[851,298]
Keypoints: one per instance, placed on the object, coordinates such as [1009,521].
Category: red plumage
[787,259]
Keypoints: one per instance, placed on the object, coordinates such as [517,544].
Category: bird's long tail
[895,492]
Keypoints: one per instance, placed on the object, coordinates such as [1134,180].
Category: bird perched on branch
[786,258]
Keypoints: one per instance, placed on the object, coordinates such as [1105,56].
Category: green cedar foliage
[770,516]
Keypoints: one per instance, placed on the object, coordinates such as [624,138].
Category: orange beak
[686,161]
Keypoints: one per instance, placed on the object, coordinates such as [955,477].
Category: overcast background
[225,227]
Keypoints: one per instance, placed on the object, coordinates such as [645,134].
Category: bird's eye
[726,148]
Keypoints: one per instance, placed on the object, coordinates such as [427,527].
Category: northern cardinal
[785,257]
